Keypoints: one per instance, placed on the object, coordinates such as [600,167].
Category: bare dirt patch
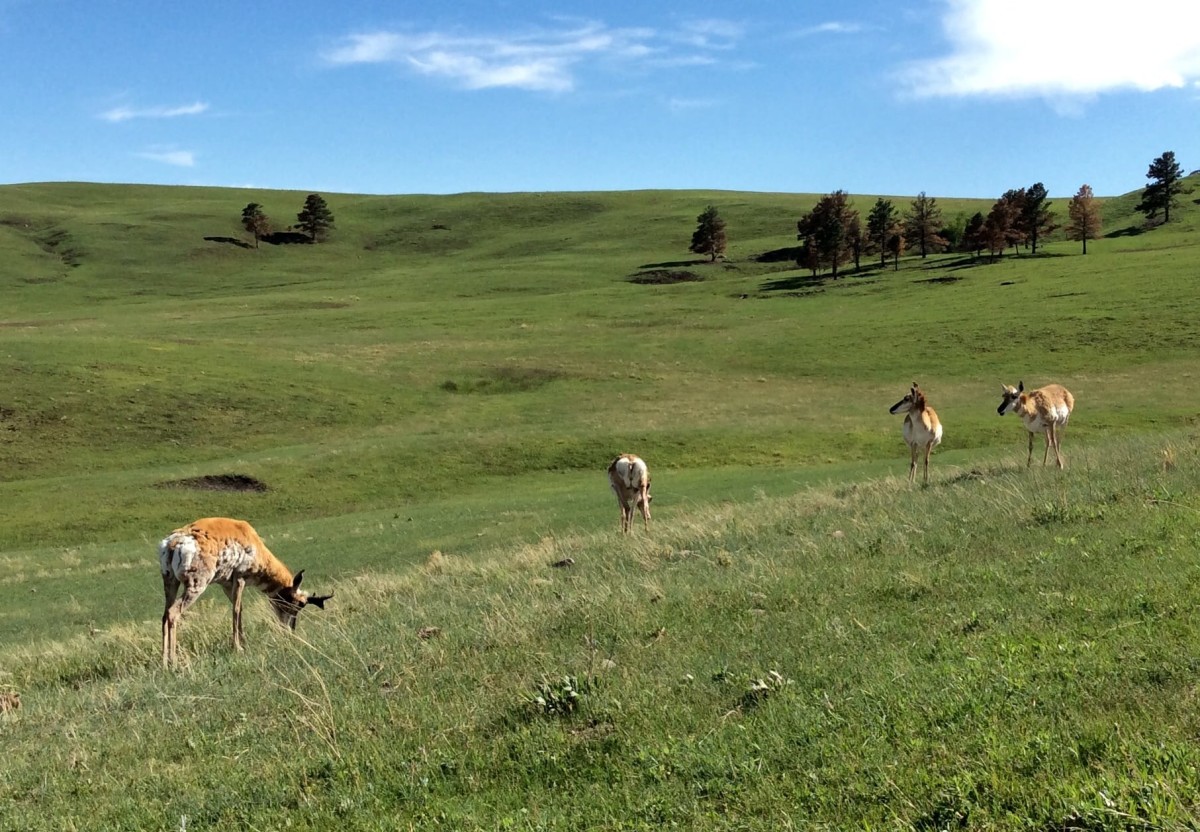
[219,482]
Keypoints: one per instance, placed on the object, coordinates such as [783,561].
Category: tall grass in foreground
[1005,649]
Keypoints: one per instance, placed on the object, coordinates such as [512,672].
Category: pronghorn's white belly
[1057,416]
[177,553]
[915,433]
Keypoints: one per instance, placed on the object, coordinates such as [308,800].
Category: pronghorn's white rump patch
[630,472]
[176,554]
[630,480]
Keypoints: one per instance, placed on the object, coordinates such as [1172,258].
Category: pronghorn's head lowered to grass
[289,600]
[1045,410]
[922,428]
[229,553]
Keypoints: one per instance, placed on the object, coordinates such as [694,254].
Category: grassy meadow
[428,400]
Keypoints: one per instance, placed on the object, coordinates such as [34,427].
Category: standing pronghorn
[229,553]
[1045,410]
[922,429]
[630,480]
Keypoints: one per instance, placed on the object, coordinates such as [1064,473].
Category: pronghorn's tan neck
[272,575]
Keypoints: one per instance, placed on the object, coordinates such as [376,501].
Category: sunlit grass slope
[1006,649]
[451,374]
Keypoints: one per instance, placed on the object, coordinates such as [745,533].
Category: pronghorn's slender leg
[234,593]
[913,451]
[170,590]
[928,449]
[1052,436]
[644,497]
[175,611]
[1029,459]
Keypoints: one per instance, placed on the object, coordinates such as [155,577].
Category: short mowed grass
[429,397]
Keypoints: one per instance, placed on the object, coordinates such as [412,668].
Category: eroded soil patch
[218,482]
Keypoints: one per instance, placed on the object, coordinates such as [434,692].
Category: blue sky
[888,97]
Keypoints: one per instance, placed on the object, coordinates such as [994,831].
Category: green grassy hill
[427,401]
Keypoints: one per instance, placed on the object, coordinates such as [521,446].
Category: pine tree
[973,238]
[922,223]
[315,218]
[709,237]
[998,232]
[1084,216]
[255,222]
[1162,193]
[881,224]
[895,247]
[828,228]
[1037,221]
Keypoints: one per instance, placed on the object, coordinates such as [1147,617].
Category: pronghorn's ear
[319,600]
[1003,387]
[296,580]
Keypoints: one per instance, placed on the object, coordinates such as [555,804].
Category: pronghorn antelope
[922,429]
[1045,410]
[630,480]
[229,553]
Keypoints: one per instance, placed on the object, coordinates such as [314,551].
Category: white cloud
[832,27]
[545,60]
[710,34]
[124,113]
[1061,48]
[179,158]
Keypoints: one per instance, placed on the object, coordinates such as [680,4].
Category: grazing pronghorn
[630,480]
[922,429]
[229,553]
[1045,410]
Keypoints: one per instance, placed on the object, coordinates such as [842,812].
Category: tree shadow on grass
[233,241]
[674,264]
[1130,231]
[283,238]
[790,254]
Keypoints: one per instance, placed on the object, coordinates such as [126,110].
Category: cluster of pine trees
[315,219]
[832,234]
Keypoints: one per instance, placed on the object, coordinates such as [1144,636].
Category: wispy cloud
[831,27]
[1073,48]
[683,105]
[544,59]
[179,158]
[124,113]
[711,33]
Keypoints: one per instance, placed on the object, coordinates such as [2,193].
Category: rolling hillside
[419,411]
